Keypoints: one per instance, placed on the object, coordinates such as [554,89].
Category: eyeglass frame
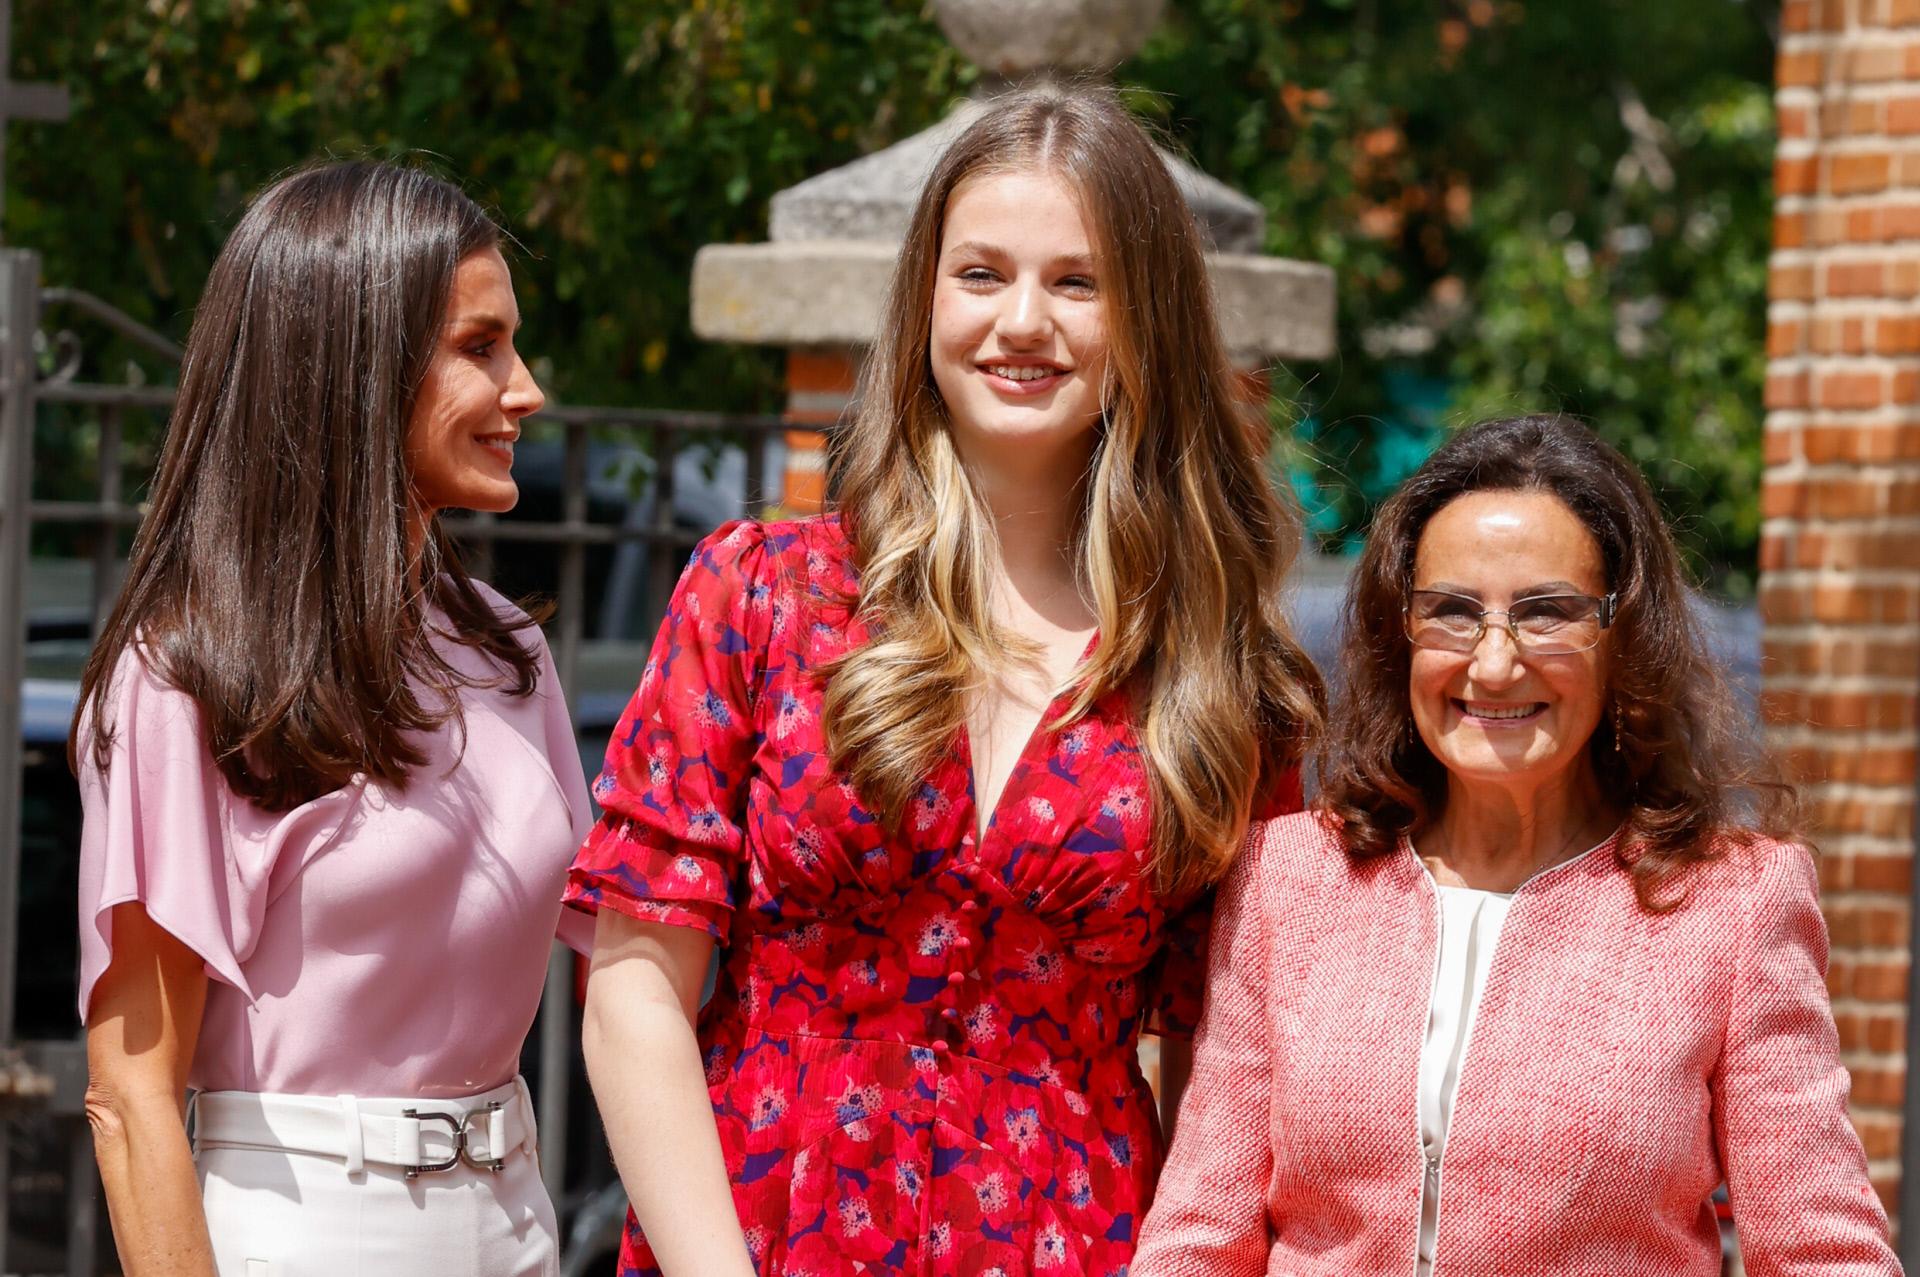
[1606,607]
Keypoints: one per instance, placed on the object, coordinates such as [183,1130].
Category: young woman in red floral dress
[949,772]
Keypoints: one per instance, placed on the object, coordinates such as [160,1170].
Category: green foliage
[614,137]
[1529,203]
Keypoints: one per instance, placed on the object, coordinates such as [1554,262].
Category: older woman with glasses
[1545,967]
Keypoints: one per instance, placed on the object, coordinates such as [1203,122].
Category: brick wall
[1840,550]
[820,385]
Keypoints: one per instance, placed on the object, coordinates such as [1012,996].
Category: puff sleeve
[673,788]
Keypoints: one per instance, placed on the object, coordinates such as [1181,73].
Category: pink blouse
[372,941]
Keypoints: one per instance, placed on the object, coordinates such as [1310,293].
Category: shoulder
[1749,871]
[526,632]
[1752,894]
[505,608]
[513,616]
[1310,835]
[1296,853]
[155,742]
[808,554]
[143,710]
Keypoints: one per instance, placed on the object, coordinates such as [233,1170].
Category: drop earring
[1616,726]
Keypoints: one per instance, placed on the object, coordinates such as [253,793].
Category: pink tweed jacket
[1622,1065]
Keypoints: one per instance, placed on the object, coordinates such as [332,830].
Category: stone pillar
[816,286]
[1840,548]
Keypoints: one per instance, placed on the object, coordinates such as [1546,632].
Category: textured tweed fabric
[1622,1065]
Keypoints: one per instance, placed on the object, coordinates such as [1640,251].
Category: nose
[1024,318]
[1496,661]
[522,396]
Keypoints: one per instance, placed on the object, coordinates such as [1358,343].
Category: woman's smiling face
[1498,715]
[476,391]
[1019,335]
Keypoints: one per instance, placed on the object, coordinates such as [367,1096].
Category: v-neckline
[978,828]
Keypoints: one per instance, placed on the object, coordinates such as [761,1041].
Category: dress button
[941,1047]
[949,1013]
[969,906]
[955,977]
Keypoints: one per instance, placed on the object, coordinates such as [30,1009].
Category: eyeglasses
[1544,625]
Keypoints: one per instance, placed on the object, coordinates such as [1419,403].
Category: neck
[1035,508]
[1498,835]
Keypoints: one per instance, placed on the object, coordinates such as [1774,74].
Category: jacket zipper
[1429,1163]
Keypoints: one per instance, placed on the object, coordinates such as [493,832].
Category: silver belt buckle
[459,1129]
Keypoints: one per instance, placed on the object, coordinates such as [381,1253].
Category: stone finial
[820,280]
[1013,38]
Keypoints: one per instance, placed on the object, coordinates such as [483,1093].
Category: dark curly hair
[1686,768]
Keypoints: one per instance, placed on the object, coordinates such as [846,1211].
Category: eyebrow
[974,248]
[1530,592]
[485,320]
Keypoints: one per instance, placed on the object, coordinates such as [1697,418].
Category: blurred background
[1485,206]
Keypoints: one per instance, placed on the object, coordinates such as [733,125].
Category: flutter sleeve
[159,830]
[1796,1174]
[673,788]
[1177,985]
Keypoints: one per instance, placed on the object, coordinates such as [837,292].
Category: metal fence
[39,379]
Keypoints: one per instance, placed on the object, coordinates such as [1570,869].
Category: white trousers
[277,1212]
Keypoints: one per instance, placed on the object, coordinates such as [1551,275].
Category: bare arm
[142,1026]
[644,1063]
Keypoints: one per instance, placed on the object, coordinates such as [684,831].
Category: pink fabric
[369,942]
[1622,1065]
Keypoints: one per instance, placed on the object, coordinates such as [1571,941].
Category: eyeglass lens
[1548,625]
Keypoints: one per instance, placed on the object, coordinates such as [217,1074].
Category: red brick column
[820,385]
[1840,548]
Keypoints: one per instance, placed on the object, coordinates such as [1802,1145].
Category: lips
[1020,377]
[501,446]
[1499,712]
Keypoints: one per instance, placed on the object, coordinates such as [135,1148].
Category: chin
[1029,430]
[489,499]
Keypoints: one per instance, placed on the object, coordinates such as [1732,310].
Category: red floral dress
[922,1048]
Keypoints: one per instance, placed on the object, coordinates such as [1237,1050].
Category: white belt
[417,1136]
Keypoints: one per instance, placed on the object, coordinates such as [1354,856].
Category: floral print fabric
[922,1047]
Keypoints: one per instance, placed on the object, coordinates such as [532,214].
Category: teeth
[1501,711]
[1021,372]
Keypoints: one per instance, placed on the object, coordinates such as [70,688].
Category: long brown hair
[1682,762]
[272,579]
[1184,543]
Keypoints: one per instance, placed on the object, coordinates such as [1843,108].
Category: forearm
[153,1195]
[142,1029]
[644,1063]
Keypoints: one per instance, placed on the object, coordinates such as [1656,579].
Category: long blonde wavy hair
[1183,543]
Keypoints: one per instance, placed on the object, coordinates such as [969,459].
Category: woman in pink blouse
[1545,969]
[329,781]
[949,771]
